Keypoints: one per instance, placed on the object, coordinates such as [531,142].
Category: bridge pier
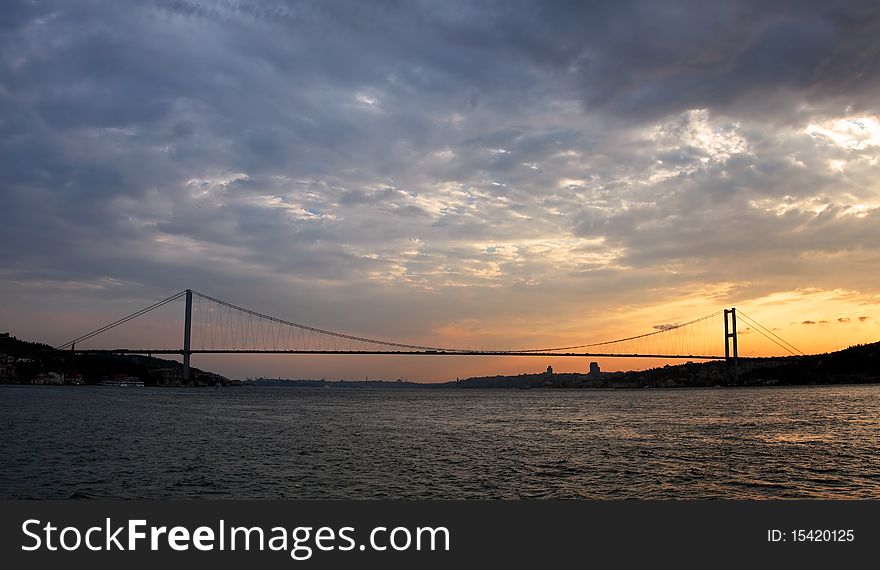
[732,362]
[187,331]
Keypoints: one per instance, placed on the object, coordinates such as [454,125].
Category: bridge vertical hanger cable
[224,327]
[337,336]
[630,338]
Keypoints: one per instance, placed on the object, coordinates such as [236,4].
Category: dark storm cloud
[646,59]
[539,148]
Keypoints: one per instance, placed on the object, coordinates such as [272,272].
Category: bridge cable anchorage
[781,342]
[636,337]
[123,320]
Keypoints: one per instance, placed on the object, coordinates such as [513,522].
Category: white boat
[122,383]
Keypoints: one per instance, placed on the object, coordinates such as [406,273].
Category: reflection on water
[800,437]
[58,442]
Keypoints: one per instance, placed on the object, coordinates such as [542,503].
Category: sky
[487,174]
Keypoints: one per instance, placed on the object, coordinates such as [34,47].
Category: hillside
[853,365]
[24,362]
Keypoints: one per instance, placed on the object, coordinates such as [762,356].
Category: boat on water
[122,383]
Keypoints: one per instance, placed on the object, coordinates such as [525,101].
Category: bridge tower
[187,331]
[730,339]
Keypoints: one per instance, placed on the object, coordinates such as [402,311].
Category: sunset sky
[484,174]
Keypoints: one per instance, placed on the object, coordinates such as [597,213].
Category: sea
[84,442]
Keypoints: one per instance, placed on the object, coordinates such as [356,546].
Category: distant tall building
[549,371]
[594,370]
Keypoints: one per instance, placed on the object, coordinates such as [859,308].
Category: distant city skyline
[451,173]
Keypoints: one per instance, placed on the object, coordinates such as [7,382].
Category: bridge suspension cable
[770,335]
[114,324]
[629,338]
[317,330]
[218,326]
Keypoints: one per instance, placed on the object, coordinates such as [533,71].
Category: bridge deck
[398,352]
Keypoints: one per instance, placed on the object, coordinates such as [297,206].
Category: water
[107,442]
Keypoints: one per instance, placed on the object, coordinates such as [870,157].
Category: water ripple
[94,442]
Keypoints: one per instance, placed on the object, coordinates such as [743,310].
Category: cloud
[439,162]
[843,319]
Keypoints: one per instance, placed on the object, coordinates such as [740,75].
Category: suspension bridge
[215,326]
